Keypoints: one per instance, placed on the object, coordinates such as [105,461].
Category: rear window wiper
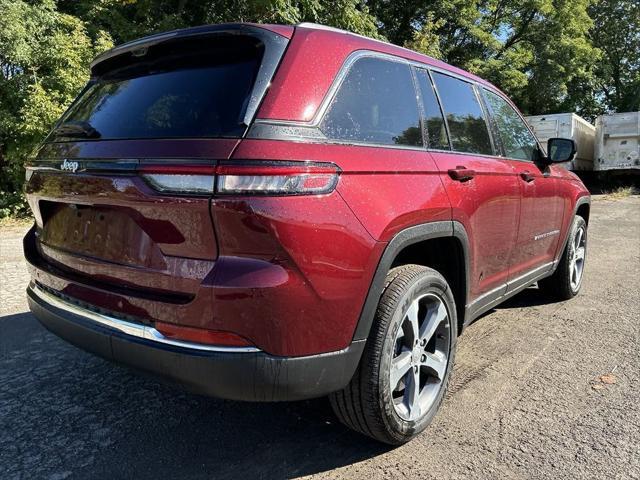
[76,130]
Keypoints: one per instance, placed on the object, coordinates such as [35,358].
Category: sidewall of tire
[403,429]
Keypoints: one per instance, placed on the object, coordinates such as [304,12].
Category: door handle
[461,174]
[527,177]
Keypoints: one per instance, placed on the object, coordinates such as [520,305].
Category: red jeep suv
[268,212]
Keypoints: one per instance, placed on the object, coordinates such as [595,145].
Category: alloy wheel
[578,257]
[420,357]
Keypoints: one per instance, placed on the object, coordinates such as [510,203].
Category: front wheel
[405,367]
[566,281]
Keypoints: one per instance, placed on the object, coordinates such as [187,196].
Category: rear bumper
[224,372]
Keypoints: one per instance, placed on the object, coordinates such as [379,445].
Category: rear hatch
[121,188]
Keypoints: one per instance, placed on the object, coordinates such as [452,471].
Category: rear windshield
[196,90]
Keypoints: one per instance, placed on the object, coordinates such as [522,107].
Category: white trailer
[567,125]
[618,142]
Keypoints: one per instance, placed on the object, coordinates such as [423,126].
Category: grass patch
[7,222]
[620,192]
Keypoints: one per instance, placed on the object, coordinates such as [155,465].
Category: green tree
[532,49]
[129,19]
[44,58]
[616,32]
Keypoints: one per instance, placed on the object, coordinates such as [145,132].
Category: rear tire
[566,281]
[407,361]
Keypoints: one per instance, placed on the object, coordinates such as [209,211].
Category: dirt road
[527,400]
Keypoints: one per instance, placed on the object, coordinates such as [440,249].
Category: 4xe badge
[69,166]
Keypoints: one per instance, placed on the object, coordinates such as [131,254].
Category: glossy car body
[140,276]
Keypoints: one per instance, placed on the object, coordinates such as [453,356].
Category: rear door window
[198,92]
[436,130]
[465,118]
[376,103]
[517,140]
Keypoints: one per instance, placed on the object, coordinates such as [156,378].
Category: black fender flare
[586,199]
[403,239]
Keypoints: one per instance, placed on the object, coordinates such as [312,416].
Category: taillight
[180,179]
[276,178]
[244,178]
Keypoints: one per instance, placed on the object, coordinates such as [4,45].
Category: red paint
[288,274]
[200,335]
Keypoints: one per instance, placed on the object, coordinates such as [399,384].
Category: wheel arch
[405,247]
[582,207]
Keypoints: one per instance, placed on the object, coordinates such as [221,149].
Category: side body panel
[488,206]
[331,250]
[541,214]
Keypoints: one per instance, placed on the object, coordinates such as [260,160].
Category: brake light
[201,335]
[276,178]
[244,178]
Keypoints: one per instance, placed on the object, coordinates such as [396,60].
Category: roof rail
[318,26]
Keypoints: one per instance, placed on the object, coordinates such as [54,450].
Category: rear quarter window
[376,103]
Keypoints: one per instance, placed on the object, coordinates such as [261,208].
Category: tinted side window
[517,140]
[467,126]
[436,130]
[376,103]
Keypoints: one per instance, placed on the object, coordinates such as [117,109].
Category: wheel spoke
[412,394]
[578,240]
[412,315]
[399,367]
[579,255]
[435,316]
[437,362]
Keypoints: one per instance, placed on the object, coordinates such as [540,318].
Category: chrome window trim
[129,328]
[335,85]
[342,72]
[328,141]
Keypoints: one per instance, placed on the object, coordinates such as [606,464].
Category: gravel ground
[540,390]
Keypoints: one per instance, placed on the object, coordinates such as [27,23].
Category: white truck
[617,142]
[567,125]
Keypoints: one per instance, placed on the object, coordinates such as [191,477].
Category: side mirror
[560,150]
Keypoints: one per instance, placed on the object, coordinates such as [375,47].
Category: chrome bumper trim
[133,329]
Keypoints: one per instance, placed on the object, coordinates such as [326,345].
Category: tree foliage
[44,55]
[616,33]
[548,55]
[535,50]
